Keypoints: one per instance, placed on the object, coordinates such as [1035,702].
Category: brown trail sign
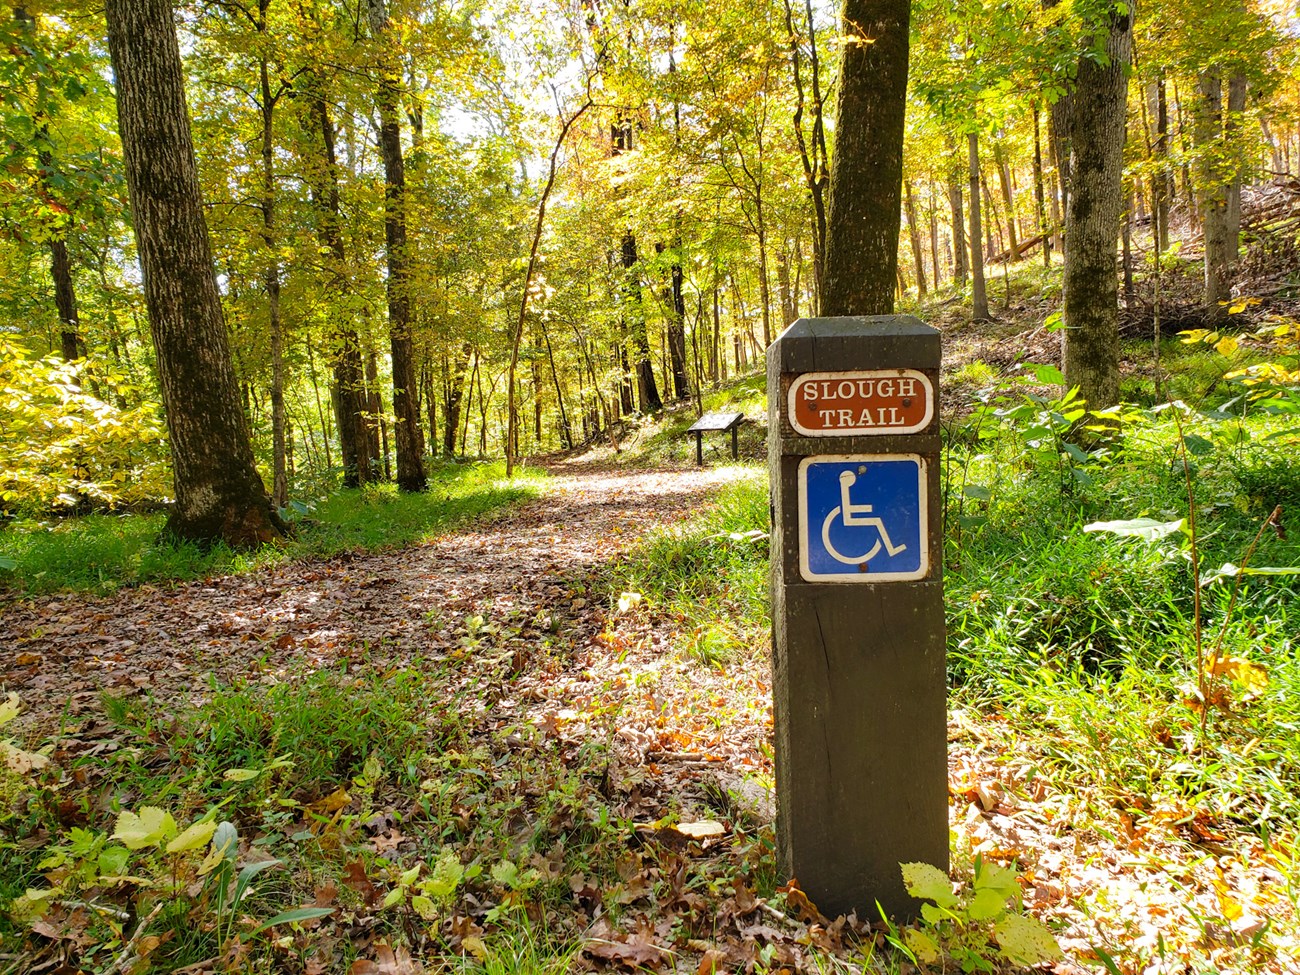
[859,690]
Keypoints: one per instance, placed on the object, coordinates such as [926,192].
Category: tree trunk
[915,236]
[960,266]
[65,297]
[812,150]
[406,416]
[783,288]
[271,275]
[933,213]
[452,398]
[1162,189]
[647,389]
[1213,183]
[979,296]
[867,164]
[1009,196]
[350,404]
[219,494]
[1058,145]
[1040,195]
[1097,130]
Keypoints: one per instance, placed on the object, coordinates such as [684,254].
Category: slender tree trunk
[960,266]
[219,494]
[65,299]
[935,267]
[345,347]
[784,290]
[271,275]
[1040,203]
[675,305]
[1213,183]
[566,432]
[1097,131]
[1162,189]
[915,236]
[1058,144]
[812,150]
[511,435]
[65,296]
[452,398]
[979,296]
[1009,196]
[406,415]
[647,388]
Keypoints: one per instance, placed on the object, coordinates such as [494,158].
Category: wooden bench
[716,421]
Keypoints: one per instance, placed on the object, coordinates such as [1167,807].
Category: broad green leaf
[505,873]
[986,904]
[924,947]
[929,883]
[7,563]
[193,837]
[113,860]
[1147,529]
[394,896]
[297,914]
[1198,446]
[149,827]
[933,914]
[997,878]
[423,906]
[1026,941]
[1047,374]
[977,492]
[408,876]
[445,876]
[241,774]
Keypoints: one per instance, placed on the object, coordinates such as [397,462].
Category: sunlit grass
[102,552]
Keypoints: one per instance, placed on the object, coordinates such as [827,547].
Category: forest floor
[652,852]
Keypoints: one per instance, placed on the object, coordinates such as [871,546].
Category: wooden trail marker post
[859,687]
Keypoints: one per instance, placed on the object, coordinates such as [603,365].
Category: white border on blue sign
[917,427]
[923,512]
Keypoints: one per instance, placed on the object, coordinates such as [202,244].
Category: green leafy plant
[975,925]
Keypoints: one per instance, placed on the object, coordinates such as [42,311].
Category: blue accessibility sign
[863,518]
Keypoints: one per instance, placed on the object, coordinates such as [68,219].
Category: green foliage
[178,880]
[63,446]
[710,573]
[976,926]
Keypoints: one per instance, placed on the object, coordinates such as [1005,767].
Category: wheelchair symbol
[856,516]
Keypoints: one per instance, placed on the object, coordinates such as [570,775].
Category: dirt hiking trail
[525,570]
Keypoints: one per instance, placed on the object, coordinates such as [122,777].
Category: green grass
[711,573]
[99,553]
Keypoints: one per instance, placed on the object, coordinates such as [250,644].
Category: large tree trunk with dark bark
[1096,201]
[861,264]
[219,493]
[407,431]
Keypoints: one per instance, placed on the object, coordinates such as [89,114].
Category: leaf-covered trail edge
[520,596]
